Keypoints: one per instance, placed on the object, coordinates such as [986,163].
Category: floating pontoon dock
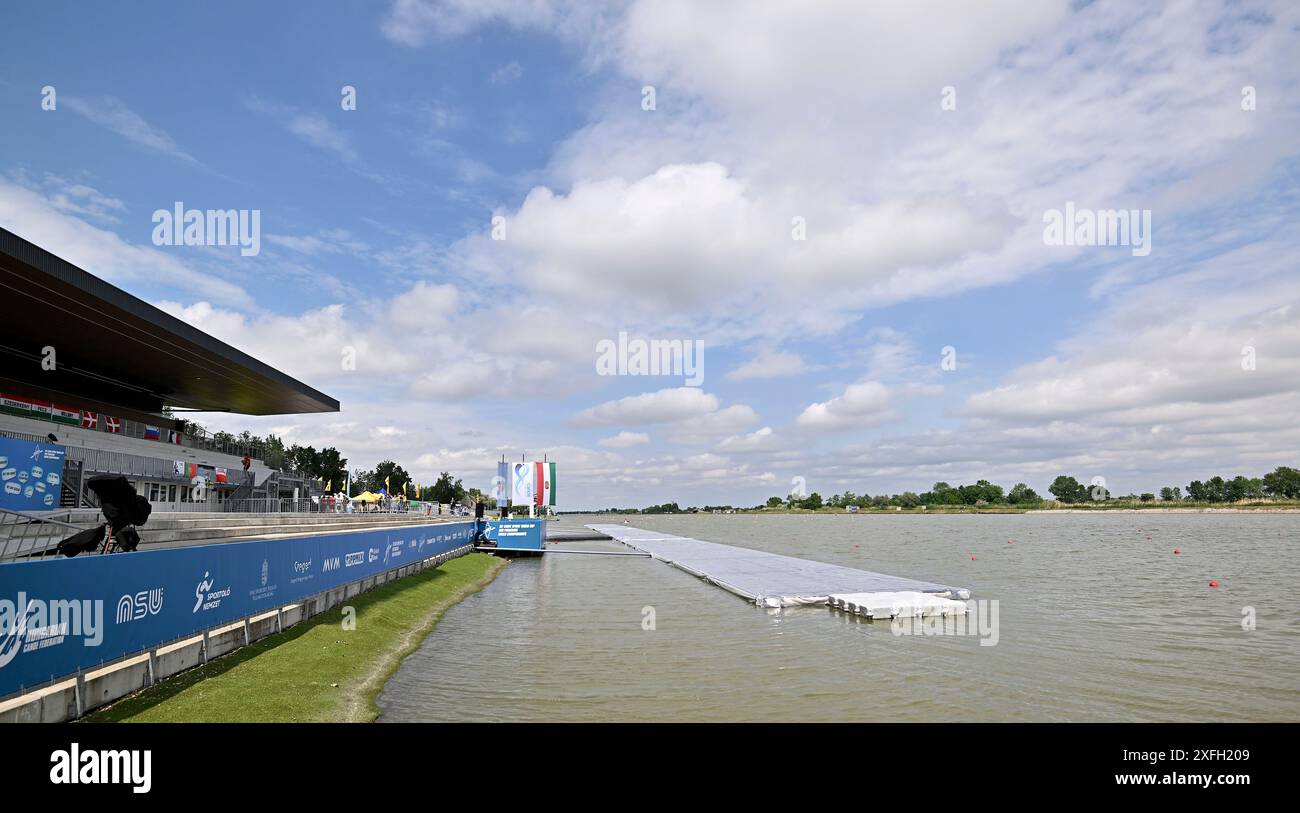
[773,580]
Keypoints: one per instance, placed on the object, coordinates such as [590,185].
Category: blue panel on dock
[517,534]
[769,579]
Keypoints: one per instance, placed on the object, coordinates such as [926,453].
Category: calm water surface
[1098,620]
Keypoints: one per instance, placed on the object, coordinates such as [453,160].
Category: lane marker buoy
[1214,584]
[1176,550]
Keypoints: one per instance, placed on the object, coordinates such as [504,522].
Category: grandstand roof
[116,351]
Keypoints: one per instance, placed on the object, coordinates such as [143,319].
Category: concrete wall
[74,695]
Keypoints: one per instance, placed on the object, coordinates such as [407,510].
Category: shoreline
[938,511]
[315,672]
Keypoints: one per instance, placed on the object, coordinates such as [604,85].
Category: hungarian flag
[42,409]
[152,433]
[16,406]
[112,424]
[548,483]
[62,414]
[89,420]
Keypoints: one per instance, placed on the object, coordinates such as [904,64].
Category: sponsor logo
[90,767]
[331,564]
[358,558]
[265,571]
[205,598]
[31,623]
[374,554]
[134,607]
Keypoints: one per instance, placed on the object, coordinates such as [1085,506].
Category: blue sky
[822,356]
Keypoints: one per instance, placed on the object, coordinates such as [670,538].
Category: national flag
[89,420]
[152,433]
[329,485]
[66,415]
[192,470]
[42,409]
[387,486]
[113,425]
[16,406]
[173,437]
[221,475]
[549,471]
[539,483]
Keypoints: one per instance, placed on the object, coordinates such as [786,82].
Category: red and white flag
[112,424]
[89,420]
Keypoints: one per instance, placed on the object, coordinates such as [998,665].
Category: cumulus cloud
[662,406]
[624,440]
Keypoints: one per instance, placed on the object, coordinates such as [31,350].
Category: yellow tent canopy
[366,496]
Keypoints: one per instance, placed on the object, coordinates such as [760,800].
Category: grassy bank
[314,671]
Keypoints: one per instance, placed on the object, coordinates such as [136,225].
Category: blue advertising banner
[516,533]
[58,616]
[31,475]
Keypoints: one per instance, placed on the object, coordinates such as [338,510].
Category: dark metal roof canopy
[115,351]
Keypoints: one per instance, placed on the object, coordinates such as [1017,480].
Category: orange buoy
[1176,550]
[1214,584]
[972,558]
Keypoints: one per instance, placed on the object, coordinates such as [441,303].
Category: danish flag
[89,420]
[112,424]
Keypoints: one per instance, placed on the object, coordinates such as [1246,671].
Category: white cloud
[769,364]
[663,406]
[624,440]
[869,403]
[111,113]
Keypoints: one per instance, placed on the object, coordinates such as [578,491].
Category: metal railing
[23,534]
[192,435]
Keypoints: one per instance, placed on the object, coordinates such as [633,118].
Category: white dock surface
[767,579]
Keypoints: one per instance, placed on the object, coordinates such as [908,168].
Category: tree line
[1281,484]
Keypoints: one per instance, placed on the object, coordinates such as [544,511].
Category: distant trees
[1021,494]
[1282,483]
[1068,490]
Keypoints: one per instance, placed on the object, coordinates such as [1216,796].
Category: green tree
[447,489]
[1022,494]
[1283,482]
[812,501]
[394,474]
[1068,490]
[774,502]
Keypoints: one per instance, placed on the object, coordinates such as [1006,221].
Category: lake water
[1098,619]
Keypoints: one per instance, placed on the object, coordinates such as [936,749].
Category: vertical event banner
[499,485]
[522,483]
[59,616]
[31,475]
